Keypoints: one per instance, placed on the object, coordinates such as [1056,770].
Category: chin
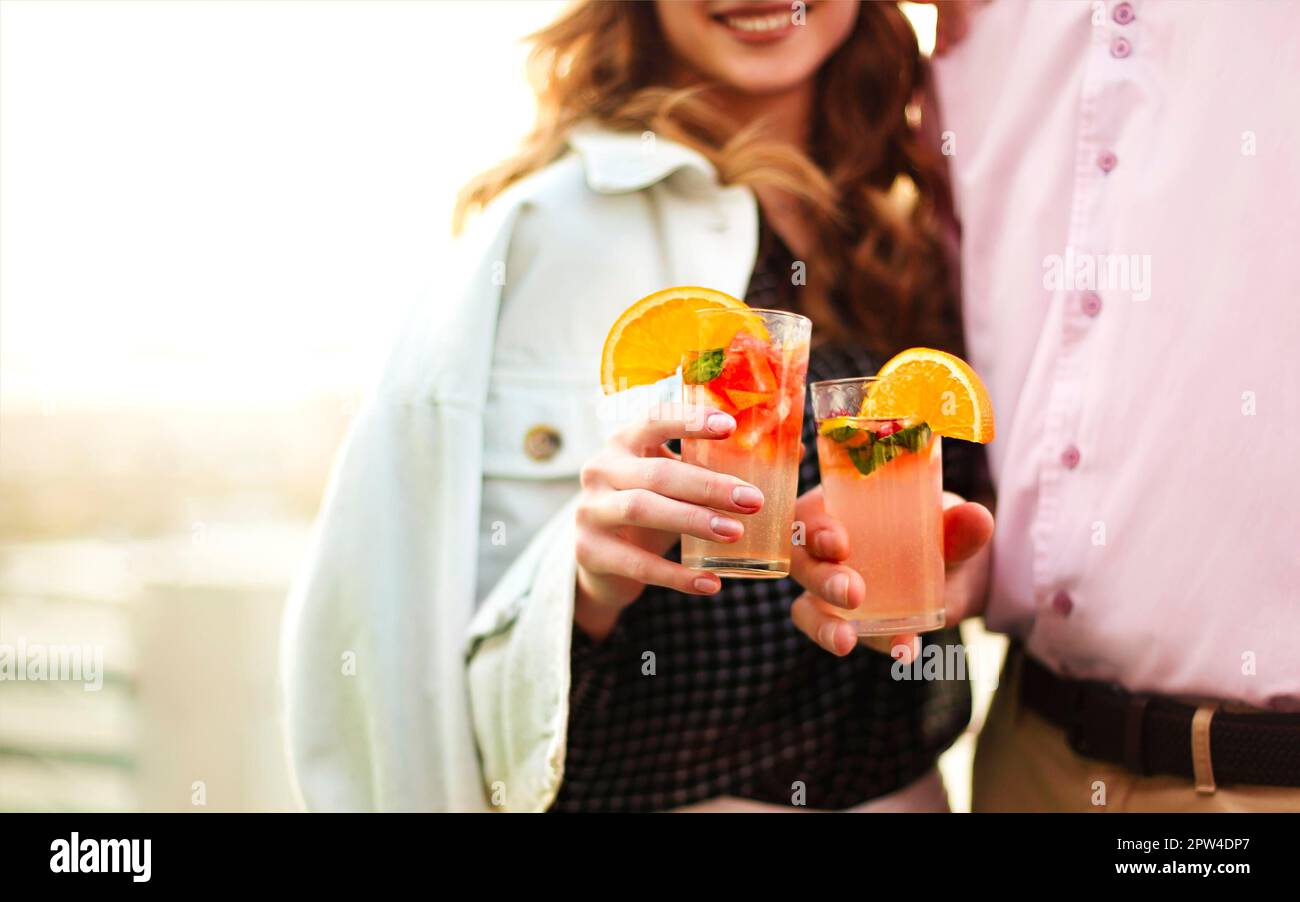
[762,80]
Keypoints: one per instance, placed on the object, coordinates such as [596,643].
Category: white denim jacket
[425,650]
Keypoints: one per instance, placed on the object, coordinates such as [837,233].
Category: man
[1126,174]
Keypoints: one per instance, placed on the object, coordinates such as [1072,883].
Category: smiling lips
[758,23]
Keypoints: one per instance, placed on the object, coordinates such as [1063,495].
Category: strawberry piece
[747,366]
[752,372]
[753,424]
[792,428]
[743,400]
[790,412]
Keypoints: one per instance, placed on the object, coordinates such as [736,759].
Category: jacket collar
[617,162]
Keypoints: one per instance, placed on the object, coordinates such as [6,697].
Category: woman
[721,144]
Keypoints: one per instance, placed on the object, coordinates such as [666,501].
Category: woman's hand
[637,499]
[967,528]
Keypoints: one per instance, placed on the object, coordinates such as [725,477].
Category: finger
[827,539]
[641,507]
[669,421]
[684,482]
[836,584]
[905,647]
[967,527]
[816,620]
[606,556]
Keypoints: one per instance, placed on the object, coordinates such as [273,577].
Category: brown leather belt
[1152,734]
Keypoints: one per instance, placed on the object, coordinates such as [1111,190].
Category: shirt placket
[1111,45]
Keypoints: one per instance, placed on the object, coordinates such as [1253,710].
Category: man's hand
[953,22]
[830,584]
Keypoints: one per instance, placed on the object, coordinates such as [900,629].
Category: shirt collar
[621,161]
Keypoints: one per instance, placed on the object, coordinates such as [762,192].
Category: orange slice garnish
[647,341]
[934,386]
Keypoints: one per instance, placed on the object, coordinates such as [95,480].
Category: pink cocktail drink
[883,479]
[757,377]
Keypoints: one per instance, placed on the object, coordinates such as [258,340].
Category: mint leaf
[869,458]
[842,433]
[913,438]
[704,368]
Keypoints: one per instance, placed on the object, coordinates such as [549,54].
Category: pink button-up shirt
[1128,180]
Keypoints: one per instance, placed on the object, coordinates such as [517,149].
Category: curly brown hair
[874,192]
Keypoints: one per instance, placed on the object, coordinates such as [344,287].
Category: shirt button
[1124,13]
[1070,457]
[541,443]
[1092,303]
[1062,603]
[1106,160]
[1120,48]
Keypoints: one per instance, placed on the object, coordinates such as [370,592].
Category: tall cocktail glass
[883,479]
[750,364]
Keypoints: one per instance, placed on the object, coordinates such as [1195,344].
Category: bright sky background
[234,201]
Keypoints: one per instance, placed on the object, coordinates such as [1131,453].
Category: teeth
[758,23]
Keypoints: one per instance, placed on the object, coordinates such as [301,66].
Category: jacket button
[542,443]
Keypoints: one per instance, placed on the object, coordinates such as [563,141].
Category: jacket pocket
[540,424]
[539,428]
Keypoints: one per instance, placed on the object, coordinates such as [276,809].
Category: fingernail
[705,584]
[746,496]
[725,526]
[720,422]
[826,635]
[837,589]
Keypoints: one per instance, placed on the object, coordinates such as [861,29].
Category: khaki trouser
[1023,763]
